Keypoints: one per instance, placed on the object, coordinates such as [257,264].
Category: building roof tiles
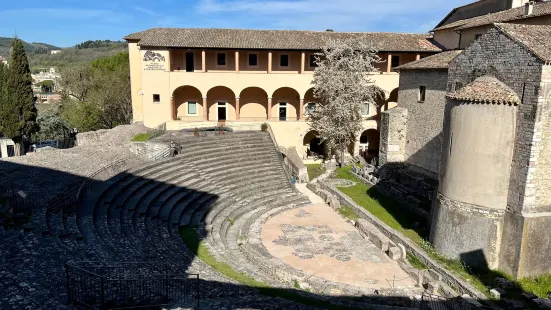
[438,61]
[518,13]
[535,38]
[485,89]
[277,39]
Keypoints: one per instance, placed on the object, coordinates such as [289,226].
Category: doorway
[283,111]
[221,111]
[190,62]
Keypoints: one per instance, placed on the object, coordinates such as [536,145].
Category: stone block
[394,253]
[379,240]
[513,304]
[334,202]
[433,287]
[472,301]
[435,275]
[403,250]
[497,293]
[529,296]
[543,303]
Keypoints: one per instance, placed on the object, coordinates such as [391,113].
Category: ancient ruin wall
[393,136]
[424,123]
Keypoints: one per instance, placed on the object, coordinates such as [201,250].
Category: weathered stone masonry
[424,123]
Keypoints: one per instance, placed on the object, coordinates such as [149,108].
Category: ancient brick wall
[393,136]
[424,123]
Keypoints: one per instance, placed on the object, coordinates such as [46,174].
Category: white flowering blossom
[342,85]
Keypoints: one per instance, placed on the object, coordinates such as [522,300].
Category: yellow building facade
[187,78]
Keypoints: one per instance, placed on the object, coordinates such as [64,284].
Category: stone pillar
[389,63]
[205,109]
[203,61]
[302,61]
[172,109]
[269,109]
[418,56]
[237,108]
[393,135]
[301,109]
[237,61]
[269,62]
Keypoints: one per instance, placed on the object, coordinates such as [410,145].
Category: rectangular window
[253,60]
[192,108]
[365,109]
[156,98]
[284,60]
[313,63]
[422,92]
[395,61]
[476,36]
[221,59]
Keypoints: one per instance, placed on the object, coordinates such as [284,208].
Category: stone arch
[181,99]
[309,99]
[369,144]
[220,94]
[291,97]
[312,145]
[253,104]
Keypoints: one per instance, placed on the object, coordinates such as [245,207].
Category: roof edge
[499,26]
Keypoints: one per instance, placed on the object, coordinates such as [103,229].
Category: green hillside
[40,57]
[30,48]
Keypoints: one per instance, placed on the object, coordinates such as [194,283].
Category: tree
[52,125]
[342,85]
[18,111]
[46,86]
[77,81]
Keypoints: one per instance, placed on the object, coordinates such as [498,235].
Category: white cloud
[339,14]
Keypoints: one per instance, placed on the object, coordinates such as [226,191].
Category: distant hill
[40,57]
[30,48]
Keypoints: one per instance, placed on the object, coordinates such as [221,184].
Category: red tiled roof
[535,38]
[486,89]
[438,61]
[277,39]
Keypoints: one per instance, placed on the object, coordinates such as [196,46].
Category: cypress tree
[18,109]
[3,76]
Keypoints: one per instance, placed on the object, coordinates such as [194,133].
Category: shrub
[142,137]
[264,127]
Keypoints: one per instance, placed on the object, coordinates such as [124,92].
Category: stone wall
[522,246]
[424,121]
[393,135]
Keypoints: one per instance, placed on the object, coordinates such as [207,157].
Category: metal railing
[288,173]
[434,302]
[98,285]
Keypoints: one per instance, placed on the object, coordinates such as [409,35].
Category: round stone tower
[479,134]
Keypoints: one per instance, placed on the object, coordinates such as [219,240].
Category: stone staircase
[217,184]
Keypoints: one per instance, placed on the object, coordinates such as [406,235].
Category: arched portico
[369,144]
[309,101]
[187,103]
[253,104]
[221,104]
[312,145]
[286,104]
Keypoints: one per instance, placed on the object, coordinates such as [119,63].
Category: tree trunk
[18,149]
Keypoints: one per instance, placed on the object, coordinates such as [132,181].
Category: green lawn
[142,137]
[314,171]
[414,227]
[200,250]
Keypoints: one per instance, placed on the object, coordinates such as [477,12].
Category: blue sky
[68,22]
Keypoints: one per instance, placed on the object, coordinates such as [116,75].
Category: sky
[68,22]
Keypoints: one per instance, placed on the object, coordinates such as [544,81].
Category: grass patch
[314,171]
[348,213]
[386,209]
[415,262]
[231,220]
[142,137]
[189,236]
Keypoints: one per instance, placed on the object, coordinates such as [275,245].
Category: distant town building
[53,52]
[47,97]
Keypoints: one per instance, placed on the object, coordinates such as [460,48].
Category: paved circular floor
[318,241]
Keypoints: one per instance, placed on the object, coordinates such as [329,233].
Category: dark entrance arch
[314,148]
[369,144]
